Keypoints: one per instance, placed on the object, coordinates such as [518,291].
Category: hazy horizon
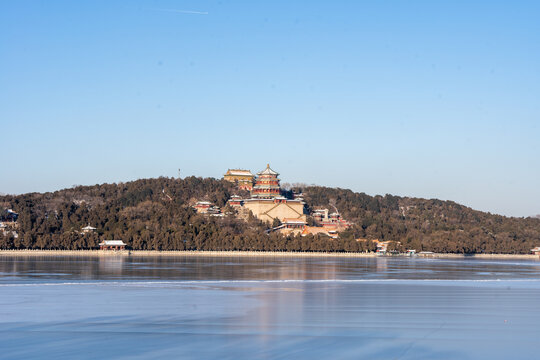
[416,98]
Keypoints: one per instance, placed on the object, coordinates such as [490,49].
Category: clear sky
[430,99]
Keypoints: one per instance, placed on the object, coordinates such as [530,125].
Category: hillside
[156,214]
[430,225]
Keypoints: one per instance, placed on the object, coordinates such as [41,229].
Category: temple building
[266,185]
[266,202]
[243,178]
[316,230]
[112,245]
[88,229]
[202,207]
[330,221]
[235,201]
[207,208]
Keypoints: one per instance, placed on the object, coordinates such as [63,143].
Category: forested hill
[147,214]
[430,225]
[156,214]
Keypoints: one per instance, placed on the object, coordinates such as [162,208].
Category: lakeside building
[536,250]
[243,178]
[112,245]
[382,246]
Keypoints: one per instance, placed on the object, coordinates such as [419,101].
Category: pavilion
[112,245]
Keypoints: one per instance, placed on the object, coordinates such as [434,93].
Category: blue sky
[413,98]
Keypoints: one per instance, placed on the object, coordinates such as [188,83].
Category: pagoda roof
[268,171]
[113,243]
[293,221]
[265,186]
[239,172]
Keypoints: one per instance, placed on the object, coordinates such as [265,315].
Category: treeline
[150,214]
[428,225]
[156,214]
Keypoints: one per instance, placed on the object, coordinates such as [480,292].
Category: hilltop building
[236,201]
[267,203]
[243,178]
[330,221]
[206,207]
[202,207]
[297,196]
[266,185]
[319,215]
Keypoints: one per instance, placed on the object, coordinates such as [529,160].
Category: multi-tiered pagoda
[266,185]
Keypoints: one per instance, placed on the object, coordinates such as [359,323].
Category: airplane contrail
[183,11]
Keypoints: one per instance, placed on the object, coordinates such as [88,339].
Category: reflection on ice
[113,265]
[260,268]
[266,309]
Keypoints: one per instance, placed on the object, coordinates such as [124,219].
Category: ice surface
[268,309]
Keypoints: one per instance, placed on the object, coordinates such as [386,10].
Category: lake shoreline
[151,253]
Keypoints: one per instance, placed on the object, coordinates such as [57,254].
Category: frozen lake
[268,308]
